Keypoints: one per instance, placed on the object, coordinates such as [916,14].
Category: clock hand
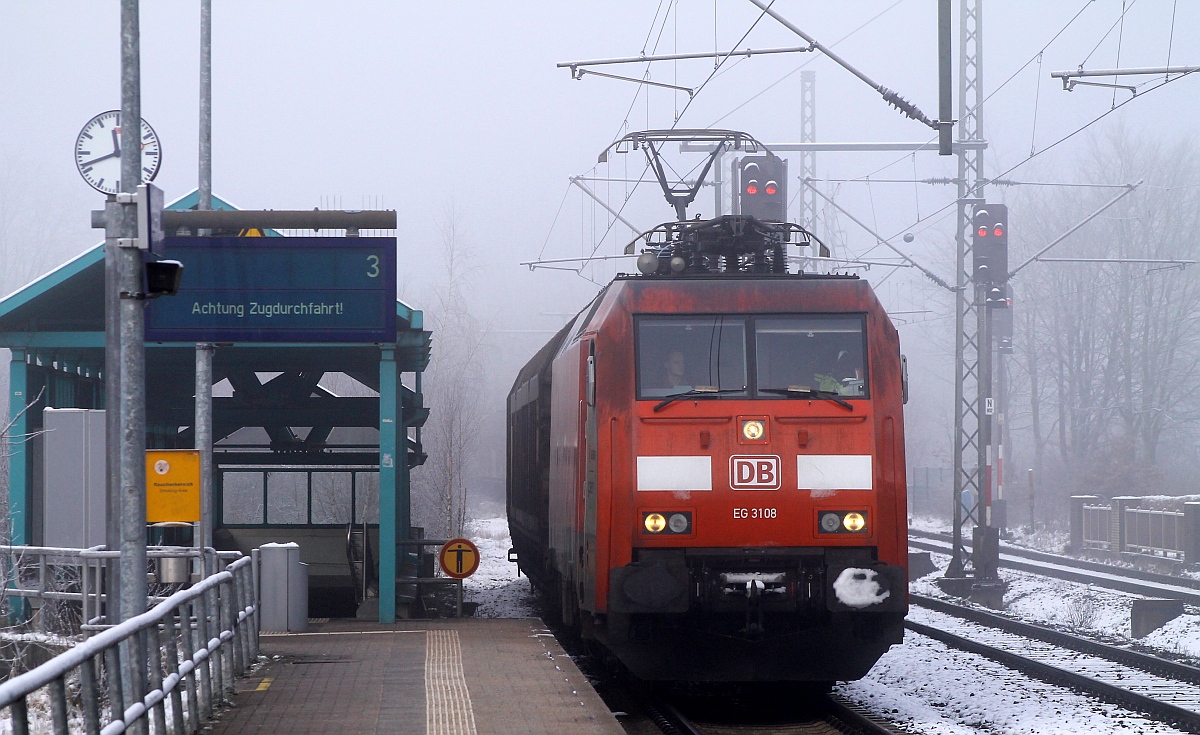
[114,154]
[116,142]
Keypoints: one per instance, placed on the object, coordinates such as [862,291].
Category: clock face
[98,152]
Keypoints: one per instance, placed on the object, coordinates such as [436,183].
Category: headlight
[655,523]
[753,430]
[842,521]
[854,522]
[667,522]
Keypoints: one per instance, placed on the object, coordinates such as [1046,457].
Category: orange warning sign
[459,558]
[172,485]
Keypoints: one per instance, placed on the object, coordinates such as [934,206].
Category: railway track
[831,716]
[1147,662]
[1068,561]
[1161,689]
[1133,581]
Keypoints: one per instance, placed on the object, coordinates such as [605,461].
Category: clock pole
[131,376]
[204,351]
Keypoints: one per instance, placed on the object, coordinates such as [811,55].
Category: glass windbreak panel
[241,498]
[366,497]
[331,497]
[287,497]
[678,354]
[811,353]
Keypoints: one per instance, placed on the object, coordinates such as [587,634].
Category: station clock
[98,152]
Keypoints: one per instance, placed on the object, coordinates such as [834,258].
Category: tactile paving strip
[447,699]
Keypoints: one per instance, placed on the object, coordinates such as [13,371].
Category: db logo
[754,472]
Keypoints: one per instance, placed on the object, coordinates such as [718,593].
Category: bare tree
[455,386]
[1112,350]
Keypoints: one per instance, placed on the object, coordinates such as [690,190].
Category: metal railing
[1154,532]
[41,573]
[433,580]
[1097,526]
[168,666]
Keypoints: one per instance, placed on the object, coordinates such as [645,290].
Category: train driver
[844,378]
[675,367]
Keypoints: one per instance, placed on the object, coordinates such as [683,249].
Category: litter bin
[283,582]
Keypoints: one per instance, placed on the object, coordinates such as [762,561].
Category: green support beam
[17,476]
[389,533]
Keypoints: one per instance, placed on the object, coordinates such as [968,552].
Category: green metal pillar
[389,387]
[18,479]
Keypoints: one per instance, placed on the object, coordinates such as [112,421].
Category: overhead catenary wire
[780,80]
[642,177]
[1056,143]
[1124,9]
[1120,43]
[1129,190]
[882,240]
[1006,82]
[890,96]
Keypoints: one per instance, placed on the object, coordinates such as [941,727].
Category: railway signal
[990,246]
[763,187]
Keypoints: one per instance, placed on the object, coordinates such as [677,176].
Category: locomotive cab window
[701,353]
[819,353]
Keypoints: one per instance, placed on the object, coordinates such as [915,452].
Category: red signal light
[771,188]
[983,231]
[752,188]
[999,231]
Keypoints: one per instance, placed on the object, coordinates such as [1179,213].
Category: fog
[456,113]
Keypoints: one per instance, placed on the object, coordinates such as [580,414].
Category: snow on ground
[935,690]
[495,585]
[1052,541]
[1080,608]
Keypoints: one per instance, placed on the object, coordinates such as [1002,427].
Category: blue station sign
[278,289]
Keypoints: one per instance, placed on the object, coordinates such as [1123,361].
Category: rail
[187,648]
[456,584]
[1110,692]
[76,575]
[1125,579]
[1117,654]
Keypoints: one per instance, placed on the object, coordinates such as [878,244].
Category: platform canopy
[308,407]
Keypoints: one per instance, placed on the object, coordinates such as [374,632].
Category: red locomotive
[706,465]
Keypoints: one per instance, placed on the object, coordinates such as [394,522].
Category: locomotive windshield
[791,353]
[823,353]
[678,354]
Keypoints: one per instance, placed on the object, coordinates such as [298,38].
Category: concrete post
[1119,505]
[1191,533]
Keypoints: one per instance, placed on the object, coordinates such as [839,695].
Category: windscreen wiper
[700,390]
[793,391]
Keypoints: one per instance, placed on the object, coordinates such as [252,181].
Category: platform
[441,677]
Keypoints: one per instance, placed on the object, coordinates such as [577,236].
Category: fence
[1120,526]
[48,573]
[167,666]
[1154,532]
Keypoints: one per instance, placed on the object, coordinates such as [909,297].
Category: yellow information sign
[459,558]
[172,485]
